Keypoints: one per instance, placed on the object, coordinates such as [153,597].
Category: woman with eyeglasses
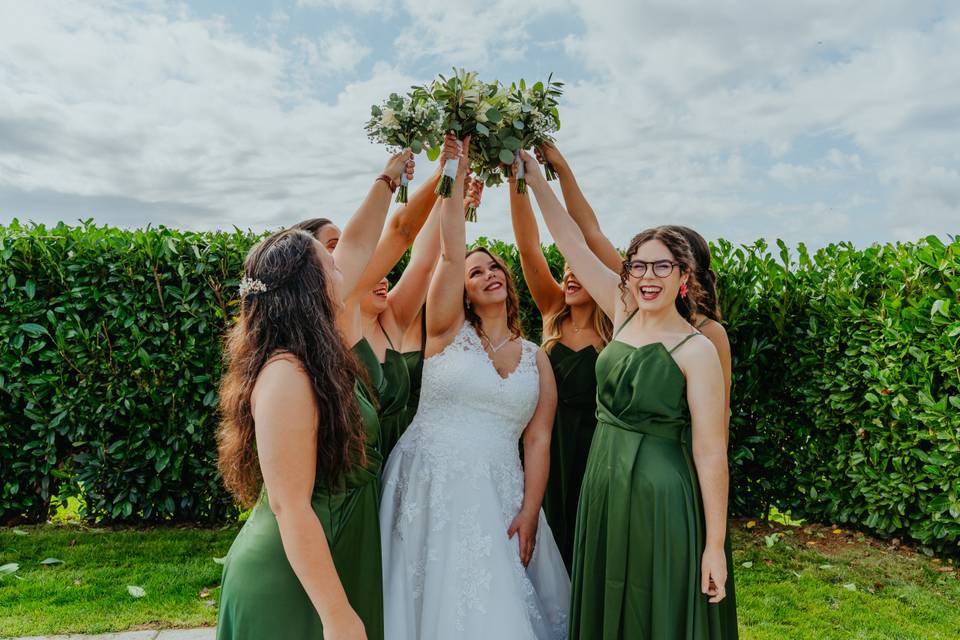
[649,557]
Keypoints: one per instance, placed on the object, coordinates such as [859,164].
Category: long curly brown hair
[682,253]
[297,316]
[513,299]
[709,304]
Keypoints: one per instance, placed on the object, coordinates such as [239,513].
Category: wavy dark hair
[678,245]
[513,299]
[313,225]
[709,304]
[297,316]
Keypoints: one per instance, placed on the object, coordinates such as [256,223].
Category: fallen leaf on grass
[20,532]
[76,582]
[219,560]
[850,586]
[747,565]
[51,561]
[135,591]
[7,569]
[837,532]
[826,566]
[811,543]
[751,524]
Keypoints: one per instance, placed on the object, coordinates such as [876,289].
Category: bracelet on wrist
[387,180]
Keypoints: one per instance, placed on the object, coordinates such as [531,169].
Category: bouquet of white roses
[535,117]
[405,121]
[459,99]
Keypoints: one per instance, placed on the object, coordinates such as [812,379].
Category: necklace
[494,349]
[576,329]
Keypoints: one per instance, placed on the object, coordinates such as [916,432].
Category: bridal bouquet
[460,99]
[535,116]
[405,121]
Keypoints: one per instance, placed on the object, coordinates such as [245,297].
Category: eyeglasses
[661,268]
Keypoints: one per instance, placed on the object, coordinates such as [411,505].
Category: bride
[467,552]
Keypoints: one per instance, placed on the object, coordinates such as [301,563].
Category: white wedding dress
[452,486]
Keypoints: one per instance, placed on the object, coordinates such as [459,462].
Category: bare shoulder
[283,379]
[715,331]
[543,360]
[697,354]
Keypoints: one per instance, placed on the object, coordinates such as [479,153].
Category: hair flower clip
[249,286]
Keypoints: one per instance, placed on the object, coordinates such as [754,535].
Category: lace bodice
[465,399]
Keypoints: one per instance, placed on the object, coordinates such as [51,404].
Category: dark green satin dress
[640,527]
[414,361]
[261,596]
[573,428]
[394,394]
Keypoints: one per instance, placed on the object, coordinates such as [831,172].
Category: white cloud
[812,120]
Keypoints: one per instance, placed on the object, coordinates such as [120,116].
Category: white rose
[388,119]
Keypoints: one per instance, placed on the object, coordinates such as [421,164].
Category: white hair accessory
[249,285]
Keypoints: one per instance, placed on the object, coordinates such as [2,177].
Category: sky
[814,121]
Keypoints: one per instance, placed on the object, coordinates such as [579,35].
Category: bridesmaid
[649,557]
[377,317]
[298,441]
[705,318]
[574,331]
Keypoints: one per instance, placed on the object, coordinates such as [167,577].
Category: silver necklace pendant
[494,349]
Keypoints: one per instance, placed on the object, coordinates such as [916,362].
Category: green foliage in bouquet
[535,116]
[410,121]
[459,99]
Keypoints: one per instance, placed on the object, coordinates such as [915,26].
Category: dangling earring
[684,290]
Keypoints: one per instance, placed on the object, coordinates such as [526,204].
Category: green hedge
[846,399]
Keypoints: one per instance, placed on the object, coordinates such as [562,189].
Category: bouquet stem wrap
[521,174]
[403,188]
[445,186]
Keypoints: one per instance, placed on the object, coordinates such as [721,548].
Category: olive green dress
[262,598]
[394,393]
[414,361]
[573,428]
[640,527]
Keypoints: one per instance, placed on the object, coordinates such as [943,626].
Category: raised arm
[360,236]
[601,282]
[705,397]
[580,210]
[445,297]
[407,296]
[398,235]
[536,460]
[285,416]
[547,294]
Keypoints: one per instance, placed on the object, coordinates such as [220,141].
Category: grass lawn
[793,582]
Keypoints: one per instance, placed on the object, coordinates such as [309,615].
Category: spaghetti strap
[685,340]
[629,318]
[701,323]
[385,334]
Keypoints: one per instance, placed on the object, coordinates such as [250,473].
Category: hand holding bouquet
[536,118]
[459,99]
[409,121]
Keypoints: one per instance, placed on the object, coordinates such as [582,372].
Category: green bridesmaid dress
[261,596]
[573,428]
[394,394]
[414,361]
[640,526]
